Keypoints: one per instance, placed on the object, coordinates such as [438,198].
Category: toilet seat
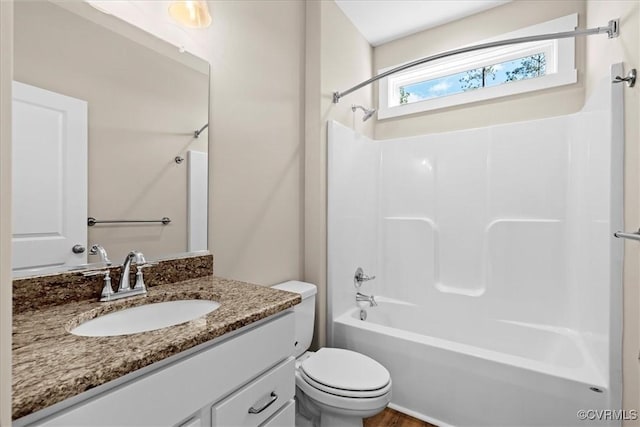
[345,373]
[362,407]
[344,393]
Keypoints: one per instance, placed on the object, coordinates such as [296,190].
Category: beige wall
[257,153]
[143,108]
[6,60]
[600,54]
[337,57]
[491,23]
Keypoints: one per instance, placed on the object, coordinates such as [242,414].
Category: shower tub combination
[498,278]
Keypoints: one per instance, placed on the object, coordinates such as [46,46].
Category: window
[482,75]
[487,76]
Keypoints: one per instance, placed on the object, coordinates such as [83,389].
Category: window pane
[435,88]
[491,75]
[518,69]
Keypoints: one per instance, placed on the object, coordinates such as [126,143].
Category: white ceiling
[381,21]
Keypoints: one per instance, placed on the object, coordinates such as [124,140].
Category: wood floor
[392,418]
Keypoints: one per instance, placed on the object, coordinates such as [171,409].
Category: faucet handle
[139,258]
[359,278]
[107,290]
[139,277]
[146,264]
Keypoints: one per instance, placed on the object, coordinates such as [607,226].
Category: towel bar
[91,221]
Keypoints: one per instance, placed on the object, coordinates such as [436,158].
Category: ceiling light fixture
[191,13]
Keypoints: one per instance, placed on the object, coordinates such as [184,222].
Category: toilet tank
[304,313]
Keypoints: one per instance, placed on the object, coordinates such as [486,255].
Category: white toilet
[334,387]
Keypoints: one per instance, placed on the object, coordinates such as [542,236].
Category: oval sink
[144,318]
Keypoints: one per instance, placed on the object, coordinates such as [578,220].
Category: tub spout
[368,298]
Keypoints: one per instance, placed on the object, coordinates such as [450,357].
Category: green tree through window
[477,78]
[404,96]
[531,66]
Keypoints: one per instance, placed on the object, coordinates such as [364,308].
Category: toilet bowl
[334,387]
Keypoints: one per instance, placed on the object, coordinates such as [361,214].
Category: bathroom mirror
[104,126]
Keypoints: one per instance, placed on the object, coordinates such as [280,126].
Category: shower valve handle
[359,277]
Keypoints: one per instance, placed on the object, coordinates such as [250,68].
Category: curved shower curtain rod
[612,29]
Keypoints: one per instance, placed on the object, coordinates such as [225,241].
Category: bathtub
[449,370]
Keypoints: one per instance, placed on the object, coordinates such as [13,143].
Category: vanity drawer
[256,402]
[285,418]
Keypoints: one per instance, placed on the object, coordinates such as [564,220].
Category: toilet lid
[345,370]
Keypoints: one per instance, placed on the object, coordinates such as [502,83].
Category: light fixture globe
[190,13]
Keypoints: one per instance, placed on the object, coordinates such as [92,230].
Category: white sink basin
[144,318]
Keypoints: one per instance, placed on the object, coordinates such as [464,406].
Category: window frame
[560,70]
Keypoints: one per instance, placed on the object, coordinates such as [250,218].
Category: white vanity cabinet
[245,380]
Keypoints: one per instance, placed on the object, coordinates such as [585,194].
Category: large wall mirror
[104,127]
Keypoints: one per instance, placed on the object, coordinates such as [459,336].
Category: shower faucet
[368,298]
[359,278]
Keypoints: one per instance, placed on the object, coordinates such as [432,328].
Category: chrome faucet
[368,298]
[126,268]
[100,250]
[124,288]
[359,278]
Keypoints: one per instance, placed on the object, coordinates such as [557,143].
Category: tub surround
[39,292]
[50,364]
[498,277]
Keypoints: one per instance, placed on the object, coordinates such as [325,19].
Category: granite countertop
[50,364]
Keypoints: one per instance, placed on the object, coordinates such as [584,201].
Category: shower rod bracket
[612,30]
[630,79]
[196,134]
[631,236]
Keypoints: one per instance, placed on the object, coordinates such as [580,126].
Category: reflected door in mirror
[49,178]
